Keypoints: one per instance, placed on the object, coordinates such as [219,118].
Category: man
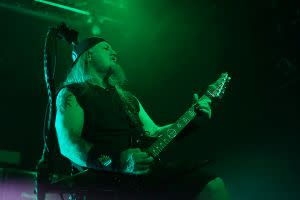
[98,121]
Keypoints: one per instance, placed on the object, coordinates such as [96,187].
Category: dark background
[169,50]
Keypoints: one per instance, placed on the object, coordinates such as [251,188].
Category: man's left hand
[203,106]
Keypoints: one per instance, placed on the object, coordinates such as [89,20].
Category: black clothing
[106,119]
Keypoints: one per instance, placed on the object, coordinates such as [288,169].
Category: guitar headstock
[217,89]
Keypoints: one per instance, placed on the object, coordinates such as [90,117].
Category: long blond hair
[79,73]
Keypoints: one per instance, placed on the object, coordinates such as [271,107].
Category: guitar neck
[168,135]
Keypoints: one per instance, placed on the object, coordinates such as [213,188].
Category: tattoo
[63,100]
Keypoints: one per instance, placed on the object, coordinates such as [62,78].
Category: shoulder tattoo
[64,100]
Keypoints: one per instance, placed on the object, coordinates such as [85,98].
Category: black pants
[181,180]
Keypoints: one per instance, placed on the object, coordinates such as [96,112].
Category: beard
[117,77]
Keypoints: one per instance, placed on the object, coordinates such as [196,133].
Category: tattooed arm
[68,124]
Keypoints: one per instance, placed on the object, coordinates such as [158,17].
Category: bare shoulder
[65,99]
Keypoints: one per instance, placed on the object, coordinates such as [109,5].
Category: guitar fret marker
[185,120]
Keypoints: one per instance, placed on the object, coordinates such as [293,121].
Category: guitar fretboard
[165,138]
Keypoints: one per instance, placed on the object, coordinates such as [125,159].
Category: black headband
[83,46]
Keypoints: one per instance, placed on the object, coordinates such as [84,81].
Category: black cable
[43,169]
[49,86]
[55,58]
[69,35]
[44,166]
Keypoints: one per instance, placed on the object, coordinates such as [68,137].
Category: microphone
[64,32]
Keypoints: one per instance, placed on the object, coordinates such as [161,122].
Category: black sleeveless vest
[110,120]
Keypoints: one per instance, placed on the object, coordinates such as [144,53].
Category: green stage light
[64,7]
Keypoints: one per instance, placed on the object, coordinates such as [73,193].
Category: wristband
[98,158]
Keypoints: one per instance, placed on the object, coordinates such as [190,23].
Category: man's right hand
[135,161]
